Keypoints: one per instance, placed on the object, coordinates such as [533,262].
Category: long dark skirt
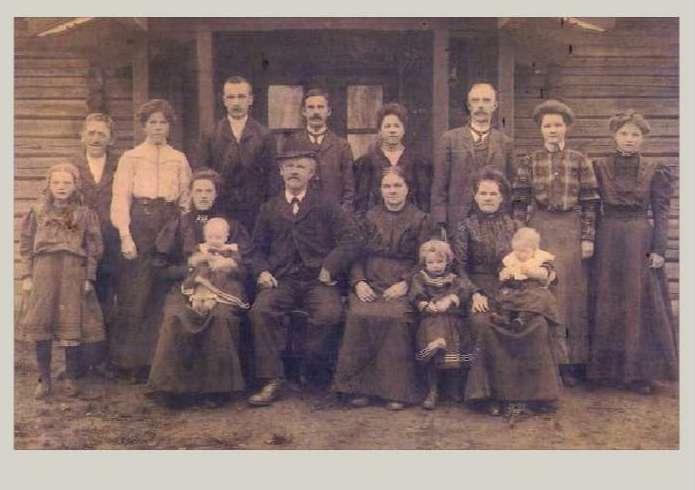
[561,236]
[194,354]
[140,295]
[377,353]
[634,336]
[511,366]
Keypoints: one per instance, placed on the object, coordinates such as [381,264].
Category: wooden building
[67,67]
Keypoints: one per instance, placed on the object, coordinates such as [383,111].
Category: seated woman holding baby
[513,367]
[205,255]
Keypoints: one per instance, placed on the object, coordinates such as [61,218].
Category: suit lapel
[305,206]
[494,147]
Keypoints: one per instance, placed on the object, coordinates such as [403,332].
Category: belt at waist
[148,201]
[624,213]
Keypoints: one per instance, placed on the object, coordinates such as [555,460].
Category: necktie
[481,134]
[295,205]
[316,138]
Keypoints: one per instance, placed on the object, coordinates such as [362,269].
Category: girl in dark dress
[442,340]
[634,337]
[508,367]
[392,121]
[376,356]
[60,244]
[197,356]
[555,192]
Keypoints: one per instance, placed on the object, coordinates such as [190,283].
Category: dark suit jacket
[455,171]
[321,233]
[244,166]
[98,197]
[334,173]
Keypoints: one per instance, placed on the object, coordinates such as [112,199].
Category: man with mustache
[242,151]
[334,174]
[97,165]
[302,241]
[462,152]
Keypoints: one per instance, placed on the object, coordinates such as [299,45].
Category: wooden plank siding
[602,78]
[51,100]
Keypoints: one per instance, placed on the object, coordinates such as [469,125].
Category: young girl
[214,270]
[525,277]
[438,294]
[60,245]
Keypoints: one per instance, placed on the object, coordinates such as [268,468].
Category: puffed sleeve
[661,203]
[94,245]
[348,241]
[122,195]
[26,244]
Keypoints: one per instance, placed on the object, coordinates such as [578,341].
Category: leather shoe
[268,394]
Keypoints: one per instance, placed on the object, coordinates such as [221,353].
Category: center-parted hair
[153,106]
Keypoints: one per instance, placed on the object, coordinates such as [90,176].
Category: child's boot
[43,359]
[430,402]
[72,371]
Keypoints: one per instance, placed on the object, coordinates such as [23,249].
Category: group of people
[507,277]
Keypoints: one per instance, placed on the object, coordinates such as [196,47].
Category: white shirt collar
[289,196]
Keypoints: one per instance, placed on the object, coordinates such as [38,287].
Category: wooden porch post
[505,84]
[206,90]
[141,84]
[440,80]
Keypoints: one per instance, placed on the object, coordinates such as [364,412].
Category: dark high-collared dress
[370,167]
[377,354]
[506,365]
[197,354]
[245,167]
[634,335]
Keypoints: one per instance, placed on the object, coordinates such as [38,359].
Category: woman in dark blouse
[634,337]
[377,353]
[508,367]
[196,356]
[392,121]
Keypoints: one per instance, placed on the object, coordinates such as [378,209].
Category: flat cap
[294,154]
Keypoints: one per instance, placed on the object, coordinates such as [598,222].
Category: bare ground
[113,415]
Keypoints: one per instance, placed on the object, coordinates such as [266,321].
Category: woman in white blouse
[150,186]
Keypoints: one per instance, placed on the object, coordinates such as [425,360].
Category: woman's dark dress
[634,337]
[377,353]
[507,365]
[417,172]
[196,354]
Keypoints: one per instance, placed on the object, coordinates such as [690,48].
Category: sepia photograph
[331,233]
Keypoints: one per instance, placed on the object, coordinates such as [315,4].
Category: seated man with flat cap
[302,241]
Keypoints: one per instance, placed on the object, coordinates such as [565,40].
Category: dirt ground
[117,415]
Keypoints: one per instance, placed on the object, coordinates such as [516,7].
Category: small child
[439,295]
[526,274]
[214,271]
[60,245]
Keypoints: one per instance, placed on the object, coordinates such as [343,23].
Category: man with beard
[242,151]
[97,165]
[334,173]
[302,241]
[462,152]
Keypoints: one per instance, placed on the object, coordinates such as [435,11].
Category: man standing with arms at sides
[462,152]
[242,151]
[334,174]
[97,165]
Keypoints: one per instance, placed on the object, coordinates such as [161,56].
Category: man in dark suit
[334,175]
[97,165]
[462,152]
[302,241]
[242,151]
